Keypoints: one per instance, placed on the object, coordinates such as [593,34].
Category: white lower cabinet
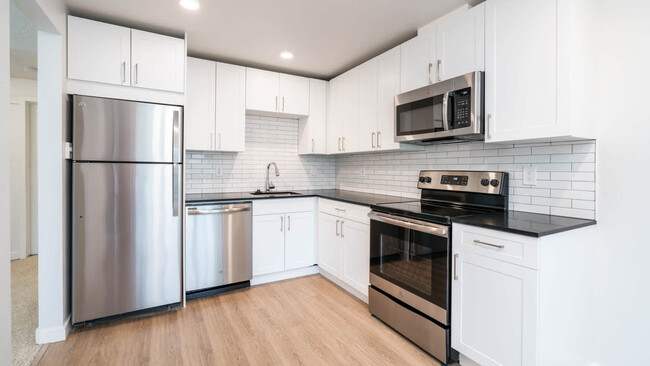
[283,236]
[507,303]
[344,244]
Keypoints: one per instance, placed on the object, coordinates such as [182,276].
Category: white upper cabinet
[528,55]
[461,44]
[277,93]
[230,107]
[199,122]
[109,54]
[388,83]
[368,93]
[335,116]
[215,110]
[417,58]
[350,111]
[262,88]
[294,95]
[98,52]
[313,129]
[158,62]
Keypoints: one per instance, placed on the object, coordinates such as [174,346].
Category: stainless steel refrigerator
[127,214]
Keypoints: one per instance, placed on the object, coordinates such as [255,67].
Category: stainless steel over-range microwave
[448,110]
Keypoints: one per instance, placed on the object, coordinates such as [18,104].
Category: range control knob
[485,182]
[421,179]
[494,182]
[427,179]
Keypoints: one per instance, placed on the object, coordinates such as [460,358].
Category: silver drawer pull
[488,244]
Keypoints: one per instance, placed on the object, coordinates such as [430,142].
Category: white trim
[124,92]
[279,276]
[56,334]
[345,286]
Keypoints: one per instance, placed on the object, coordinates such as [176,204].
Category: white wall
[607,316]
[22,92]
[5,282]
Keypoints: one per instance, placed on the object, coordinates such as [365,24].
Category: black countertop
[524,223]
[358,198]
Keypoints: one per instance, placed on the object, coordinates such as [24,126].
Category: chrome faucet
[269,184]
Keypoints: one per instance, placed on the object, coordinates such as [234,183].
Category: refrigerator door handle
[175,188]
[176,148]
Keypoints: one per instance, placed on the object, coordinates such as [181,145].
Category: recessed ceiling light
[190,4]
[286,55]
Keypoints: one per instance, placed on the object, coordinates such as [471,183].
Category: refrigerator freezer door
[126,253]
[117,130]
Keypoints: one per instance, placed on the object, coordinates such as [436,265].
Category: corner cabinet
[504,288]
[344,245]
[275,93]
[110,54]
[541,79]
[312,130]
[215,112]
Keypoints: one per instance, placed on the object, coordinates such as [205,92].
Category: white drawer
[283,205]
[344,210]
[511,248]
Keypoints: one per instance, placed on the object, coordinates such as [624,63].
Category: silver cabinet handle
[378,138]
[217,211]
[211,141]
[281,223]
[337,227]
[342,222]
[136,74]
[438,70]
[489,117]
[282,104]
[219,135]
[372,140]
[276,102]
[312,145]
[339,144]
[288,223]
[343,143]
[455,266]
[339,209]
[488,244]
[430,66]
[123,72]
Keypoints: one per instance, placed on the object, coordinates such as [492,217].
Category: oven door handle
[422,226]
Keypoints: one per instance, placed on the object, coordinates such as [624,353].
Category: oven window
[419,117]
[412,260]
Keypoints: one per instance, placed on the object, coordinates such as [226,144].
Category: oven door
[409,260]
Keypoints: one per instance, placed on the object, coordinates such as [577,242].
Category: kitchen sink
[274,194]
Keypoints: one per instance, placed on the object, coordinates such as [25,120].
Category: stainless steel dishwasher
[218,248]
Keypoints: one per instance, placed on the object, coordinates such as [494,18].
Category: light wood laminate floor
[303,321]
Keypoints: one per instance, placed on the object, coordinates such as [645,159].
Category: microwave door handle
[445,110]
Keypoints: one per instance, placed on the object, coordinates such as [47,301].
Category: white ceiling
[22,43]
[327,37]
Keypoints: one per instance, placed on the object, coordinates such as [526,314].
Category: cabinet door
[199,121]
[294,95]
[518,82]
[98,52]
[461,44]
[388,87]
[418,55]
[494,310]
[335,116]
[356,255]
[262,90]
[268,244]
[350,117]
[329,243]
[158,62]
[313,129]
[299,243]
[230,107]
[368,92]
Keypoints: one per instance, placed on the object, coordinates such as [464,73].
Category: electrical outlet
[530,175]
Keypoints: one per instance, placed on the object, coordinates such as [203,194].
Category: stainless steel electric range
[410,253]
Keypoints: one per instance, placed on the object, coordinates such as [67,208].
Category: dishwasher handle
[193,211]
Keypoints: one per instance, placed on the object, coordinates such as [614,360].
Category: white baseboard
[284,275]
[344,286]
[15,255]
[466,361]
[56,334]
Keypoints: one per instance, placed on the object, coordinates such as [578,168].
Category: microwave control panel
[462,108]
